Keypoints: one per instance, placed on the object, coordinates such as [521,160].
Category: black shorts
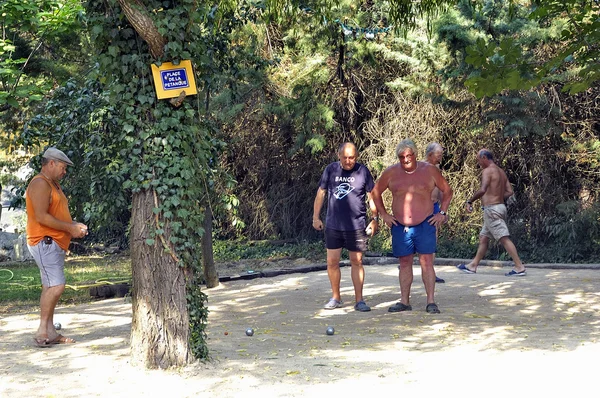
[354,241]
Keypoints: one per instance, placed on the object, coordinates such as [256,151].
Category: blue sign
[174,79]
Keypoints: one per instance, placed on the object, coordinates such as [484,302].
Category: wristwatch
[375,218]
[443,213]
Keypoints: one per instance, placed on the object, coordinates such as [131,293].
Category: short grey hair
[484,153]
[432,147]
[405,144]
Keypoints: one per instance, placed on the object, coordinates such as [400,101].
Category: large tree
[170,155]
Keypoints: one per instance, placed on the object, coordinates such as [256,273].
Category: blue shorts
[416,239]
[436,208]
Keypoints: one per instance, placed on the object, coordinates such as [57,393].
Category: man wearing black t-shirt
[348,185]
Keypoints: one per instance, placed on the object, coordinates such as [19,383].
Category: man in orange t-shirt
[49,232]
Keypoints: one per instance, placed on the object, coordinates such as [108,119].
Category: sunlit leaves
[501,64]
[42,24]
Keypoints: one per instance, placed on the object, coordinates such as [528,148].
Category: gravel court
[496,335]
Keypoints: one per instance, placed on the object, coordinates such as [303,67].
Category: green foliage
[30,28]
[198,313]
[500,62]
[577,228]
[406,13]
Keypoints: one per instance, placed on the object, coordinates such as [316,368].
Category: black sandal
[432,308]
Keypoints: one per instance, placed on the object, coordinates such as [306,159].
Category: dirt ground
[496,336]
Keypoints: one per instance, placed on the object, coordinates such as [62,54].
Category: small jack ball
[249,332]
[57,326]
[330,331]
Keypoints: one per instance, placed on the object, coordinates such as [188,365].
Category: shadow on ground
[544,325]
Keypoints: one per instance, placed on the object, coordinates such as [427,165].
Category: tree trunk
[160,327]
[208,262]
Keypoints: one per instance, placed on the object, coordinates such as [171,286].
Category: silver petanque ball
[57,325]
[249,332]
[330,331]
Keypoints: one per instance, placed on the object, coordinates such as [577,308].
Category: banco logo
[343,190]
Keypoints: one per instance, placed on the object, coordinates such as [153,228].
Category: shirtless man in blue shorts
[412,220]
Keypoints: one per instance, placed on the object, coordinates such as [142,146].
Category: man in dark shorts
[49,232]
[412,220]
[348,185]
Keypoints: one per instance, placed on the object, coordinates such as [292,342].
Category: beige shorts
[50,259]
[494,222]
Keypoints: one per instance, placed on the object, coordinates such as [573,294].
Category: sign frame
[170,79]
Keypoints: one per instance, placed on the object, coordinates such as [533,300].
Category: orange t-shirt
[59,209]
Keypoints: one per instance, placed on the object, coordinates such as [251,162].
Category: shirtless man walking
[412,221]
[495,190]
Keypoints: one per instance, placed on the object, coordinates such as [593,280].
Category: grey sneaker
[333,304]
[362,307]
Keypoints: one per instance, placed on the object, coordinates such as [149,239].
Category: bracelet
[469,202]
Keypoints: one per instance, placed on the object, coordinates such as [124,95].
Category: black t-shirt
[346,191]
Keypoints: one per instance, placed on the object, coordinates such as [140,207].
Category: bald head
[347,154]
[346,145]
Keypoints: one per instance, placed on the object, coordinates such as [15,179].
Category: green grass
[20,283]
[238,250]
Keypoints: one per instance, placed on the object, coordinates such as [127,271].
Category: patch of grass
[267,250]
[20,283]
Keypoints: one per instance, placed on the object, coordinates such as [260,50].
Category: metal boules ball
[330,331]
[57,325]
[249,332]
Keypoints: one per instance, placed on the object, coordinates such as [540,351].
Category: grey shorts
[494,222]
[50,259]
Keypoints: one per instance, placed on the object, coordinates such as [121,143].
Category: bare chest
[418,183]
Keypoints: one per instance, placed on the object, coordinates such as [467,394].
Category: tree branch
[143,24]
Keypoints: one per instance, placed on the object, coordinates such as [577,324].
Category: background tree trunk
[208,262]
[160,325]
